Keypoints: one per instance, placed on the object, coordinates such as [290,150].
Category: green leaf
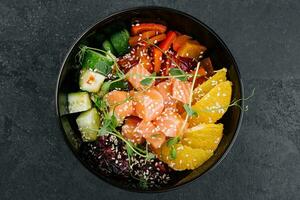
[119,85]
[150,156]
[114,122]
[149,80]
[173,153]
[178,72]
[143,183]
[190,112]
[129,150]
[173,141]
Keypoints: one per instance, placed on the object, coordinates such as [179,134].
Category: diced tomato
[134,40]
[139,28]
[120,104]
[191,49]
[136,74]
[170,123]
[181,90]
[179,41]
[148,104]
[149,132]
[128,130]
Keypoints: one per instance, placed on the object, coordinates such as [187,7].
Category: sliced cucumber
[88,123]
[90,81]
[97,61]
[119,41]
[78,102]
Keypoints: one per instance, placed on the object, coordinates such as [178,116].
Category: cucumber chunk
[119,41]
[88,123]
[78,102]
[90,81]
[97,61]
[107,46]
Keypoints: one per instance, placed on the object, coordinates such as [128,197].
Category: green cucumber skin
[107,46]
[96,61]
[88,123]
[79,102]
[119,40]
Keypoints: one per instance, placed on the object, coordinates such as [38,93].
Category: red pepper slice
[157,57]
[139,28]
[166,44]
[134,40]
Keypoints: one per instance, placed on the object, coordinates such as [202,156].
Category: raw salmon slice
[136,74]
[120,104]
[170,123]
[148,104]
[154,137]
[128,130]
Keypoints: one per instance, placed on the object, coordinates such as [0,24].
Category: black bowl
[176,20]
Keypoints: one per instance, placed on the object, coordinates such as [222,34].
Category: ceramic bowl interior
[176,20]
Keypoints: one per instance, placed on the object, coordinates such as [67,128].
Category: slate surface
[35,163]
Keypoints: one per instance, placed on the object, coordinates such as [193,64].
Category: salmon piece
[181,90]
[119,104]
[165,89]
[128,130]
[154,137]
[136,74]
[148,104]
[170,123]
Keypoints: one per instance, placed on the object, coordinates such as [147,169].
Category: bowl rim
[113,14]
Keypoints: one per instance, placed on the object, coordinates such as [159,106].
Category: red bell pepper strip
[139,28]
[157,38]
[134,40]
[164,46]
[157,57]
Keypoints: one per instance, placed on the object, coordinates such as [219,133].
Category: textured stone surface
[35,163]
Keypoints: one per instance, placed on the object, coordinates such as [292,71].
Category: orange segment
[213,105]
[148,104]
[186,157]
[205,87]
[128,130]
[120,104]
[136,74]
[181,90]
[203,136]
[170,123]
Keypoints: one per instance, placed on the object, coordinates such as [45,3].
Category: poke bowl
[146,99]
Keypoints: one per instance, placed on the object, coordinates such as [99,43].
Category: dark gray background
[35,162]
